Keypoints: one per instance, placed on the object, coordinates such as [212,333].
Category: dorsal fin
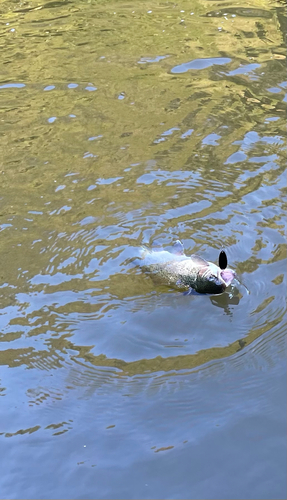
[177,248]
[199,260]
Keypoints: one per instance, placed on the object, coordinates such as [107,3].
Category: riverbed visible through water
[124,124]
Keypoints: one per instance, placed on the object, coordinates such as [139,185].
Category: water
[123,124]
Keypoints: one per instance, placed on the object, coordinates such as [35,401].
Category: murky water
[121,124]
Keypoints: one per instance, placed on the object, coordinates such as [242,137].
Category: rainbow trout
[194,273]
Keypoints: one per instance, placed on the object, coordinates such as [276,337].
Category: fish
[194,273]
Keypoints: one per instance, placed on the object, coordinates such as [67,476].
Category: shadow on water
[225,301]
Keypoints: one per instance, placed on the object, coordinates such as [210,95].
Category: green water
[123,124]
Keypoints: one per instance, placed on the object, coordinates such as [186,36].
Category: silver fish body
[178,270]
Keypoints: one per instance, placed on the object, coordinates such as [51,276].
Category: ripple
[197,64]
[30,430]
[247,69]
[49,87]
[99,362]
[149,60]
[172,178]
[12,86]
[240,11]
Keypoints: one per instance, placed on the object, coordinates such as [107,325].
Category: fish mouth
[227,276]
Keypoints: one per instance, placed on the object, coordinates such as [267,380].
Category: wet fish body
[177,270]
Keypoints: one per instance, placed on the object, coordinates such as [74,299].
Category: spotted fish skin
[178,270]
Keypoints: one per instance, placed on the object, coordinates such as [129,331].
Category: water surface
[123,124]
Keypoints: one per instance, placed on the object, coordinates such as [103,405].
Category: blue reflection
[200,64]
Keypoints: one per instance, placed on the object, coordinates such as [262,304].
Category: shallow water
[123,124]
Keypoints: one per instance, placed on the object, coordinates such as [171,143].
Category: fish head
[214,280]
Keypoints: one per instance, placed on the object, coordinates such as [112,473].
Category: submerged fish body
[178,270]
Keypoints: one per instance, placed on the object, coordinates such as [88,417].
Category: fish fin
[177,248]
[199,260]
[180,283]
[227,275]
[191,291]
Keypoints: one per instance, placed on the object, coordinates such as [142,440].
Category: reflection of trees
[35,154]
[282,19]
